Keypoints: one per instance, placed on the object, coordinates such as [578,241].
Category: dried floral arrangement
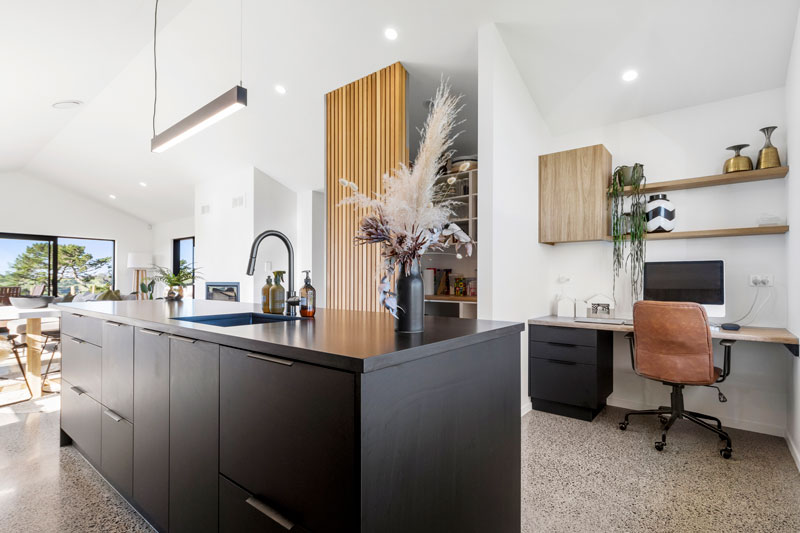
[411,216]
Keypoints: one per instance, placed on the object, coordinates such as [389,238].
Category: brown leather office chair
[671,343]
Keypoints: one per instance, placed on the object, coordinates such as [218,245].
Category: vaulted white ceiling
[570,54]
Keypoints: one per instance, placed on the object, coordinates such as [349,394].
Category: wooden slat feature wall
[365,138]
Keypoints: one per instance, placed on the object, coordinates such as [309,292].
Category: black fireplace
[224,291]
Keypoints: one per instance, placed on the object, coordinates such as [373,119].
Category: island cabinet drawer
[117,368]
[563,352]
[81,364]
[565,382]
[561,335]
[287,435]
[241,511]
[117,451]
[80,419]
[82,327]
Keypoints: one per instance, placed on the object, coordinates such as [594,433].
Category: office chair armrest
[630,338]
[727,345]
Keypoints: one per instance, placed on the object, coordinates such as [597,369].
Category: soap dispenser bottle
[277,294]
[308,297]
[265,295]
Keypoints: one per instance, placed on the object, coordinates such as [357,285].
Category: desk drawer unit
[570,370]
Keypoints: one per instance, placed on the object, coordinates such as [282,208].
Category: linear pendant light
[225,105]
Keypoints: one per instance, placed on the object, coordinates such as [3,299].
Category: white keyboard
[615,321]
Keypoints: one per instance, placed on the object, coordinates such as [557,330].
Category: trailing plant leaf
[635,234]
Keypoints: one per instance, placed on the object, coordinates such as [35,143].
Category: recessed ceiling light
[67,104]
[390,33]
[629,75]
[280,89]
[112,196]
[142,184]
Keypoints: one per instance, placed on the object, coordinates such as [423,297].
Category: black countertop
[350,340]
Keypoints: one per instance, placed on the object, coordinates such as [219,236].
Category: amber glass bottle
[308,297]
[265,295]
[277,294]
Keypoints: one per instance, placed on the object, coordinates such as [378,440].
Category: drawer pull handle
[184,339]
[266,510]
[112,415]
[284,362]
[115,324]
[151,332]
[556,361]
[77,390]
[564,344]
[76,341]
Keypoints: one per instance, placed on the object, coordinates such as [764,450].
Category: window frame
[53,239]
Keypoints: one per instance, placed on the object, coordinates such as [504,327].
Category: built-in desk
[747,333]
[570,363]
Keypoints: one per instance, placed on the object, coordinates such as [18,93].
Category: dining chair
[11,345]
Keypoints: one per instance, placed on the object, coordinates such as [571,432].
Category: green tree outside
[76,268]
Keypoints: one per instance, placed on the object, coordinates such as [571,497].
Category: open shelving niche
[713,181]
[465,190]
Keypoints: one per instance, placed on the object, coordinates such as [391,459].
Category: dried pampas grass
[411,215]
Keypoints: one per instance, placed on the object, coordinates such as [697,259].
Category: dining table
[35,339]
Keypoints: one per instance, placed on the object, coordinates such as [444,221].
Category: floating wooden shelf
[711,181]
[709,233]
[450,298]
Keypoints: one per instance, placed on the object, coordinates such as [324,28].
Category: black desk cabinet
[570,370]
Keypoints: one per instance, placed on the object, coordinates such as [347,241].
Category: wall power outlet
[761,280]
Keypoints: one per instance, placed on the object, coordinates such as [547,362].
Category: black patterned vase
[660,213]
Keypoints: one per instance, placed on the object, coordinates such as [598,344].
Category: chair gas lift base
[667,415]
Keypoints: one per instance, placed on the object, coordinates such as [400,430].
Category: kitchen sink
[236,319]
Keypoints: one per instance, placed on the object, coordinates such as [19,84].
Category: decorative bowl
[31,302]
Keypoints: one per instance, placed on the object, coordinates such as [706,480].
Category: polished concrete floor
[581,476]
[44,488]
[576,476]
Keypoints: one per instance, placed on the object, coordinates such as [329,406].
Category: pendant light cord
[241,40]
[155,68]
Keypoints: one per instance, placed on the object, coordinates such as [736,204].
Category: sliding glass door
[27,264]
[50,265]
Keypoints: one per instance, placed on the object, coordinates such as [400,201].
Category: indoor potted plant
[411,215]
[629,226]
[175,282]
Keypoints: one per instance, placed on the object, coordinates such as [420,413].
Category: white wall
[511,263]
[275,208]
[517,276]
[223,235]
[793,240]
[38,207]
[164,233]
[241,205]
[681,144]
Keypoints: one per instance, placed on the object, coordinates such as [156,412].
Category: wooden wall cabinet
[573,204]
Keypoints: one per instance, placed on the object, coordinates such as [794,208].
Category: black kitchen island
[334,423]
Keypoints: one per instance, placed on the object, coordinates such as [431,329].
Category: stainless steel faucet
[292,300]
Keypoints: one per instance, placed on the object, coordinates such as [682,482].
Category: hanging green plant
[629,228]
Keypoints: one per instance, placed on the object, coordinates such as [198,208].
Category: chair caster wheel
[660,445]
[623,426]
[663,419]
[726,453]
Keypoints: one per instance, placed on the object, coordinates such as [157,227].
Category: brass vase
[738,162]
[768,156]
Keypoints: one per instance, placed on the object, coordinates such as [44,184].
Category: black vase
[410,300]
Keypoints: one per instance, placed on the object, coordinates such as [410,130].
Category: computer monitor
[687,281]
